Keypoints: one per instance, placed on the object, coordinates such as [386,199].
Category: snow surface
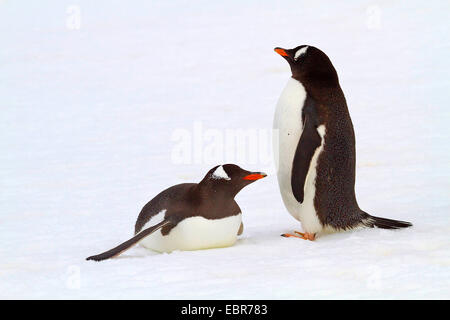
[87,117]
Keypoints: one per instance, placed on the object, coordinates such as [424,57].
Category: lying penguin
[192,216]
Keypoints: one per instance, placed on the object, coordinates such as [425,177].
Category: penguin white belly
[288,128]
[195,233]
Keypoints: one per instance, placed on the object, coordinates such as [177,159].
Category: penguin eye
[300,52]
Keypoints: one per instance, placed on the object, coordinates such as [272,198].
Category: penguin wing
[129,243]
[307,145]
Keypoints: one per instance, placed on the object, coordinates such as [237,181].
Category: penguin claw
[301,235]
[288,235]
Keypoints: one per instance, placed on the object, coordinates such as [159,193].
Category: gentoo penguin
[192,216]
[316,148]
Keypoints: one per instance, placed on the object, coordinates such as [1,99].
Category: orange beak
[255,176]
[281,52]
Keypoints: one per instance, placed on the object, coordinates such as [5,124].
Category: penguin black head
[231,177]
[309,64]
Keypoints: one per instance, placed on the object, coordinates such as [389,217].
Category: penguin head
[309,64]
[231,178]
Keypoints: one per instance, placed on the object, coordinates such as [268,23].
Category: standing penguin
[316,148]
[192,216]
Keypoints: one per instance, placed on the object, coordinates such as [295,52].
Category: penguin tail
[129,243]
[385,223]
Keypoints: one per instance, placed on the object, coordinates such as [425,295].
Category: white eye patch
[300,52]
[220,173]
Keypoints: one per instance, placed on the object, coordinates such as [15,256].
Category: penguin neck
[325,92]
[317,83]
[217,190]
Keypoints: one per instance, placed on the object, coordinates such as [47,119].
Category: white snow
[89,104]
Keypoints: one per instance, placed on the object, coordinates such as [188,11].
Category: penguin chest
[196,233]
[288,128]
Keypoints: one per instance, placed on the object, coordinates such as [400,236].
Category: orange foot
[304,236]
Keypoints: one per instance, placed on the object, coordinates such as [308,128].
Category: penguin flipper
[129,243]
[241,229]
[309,141]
